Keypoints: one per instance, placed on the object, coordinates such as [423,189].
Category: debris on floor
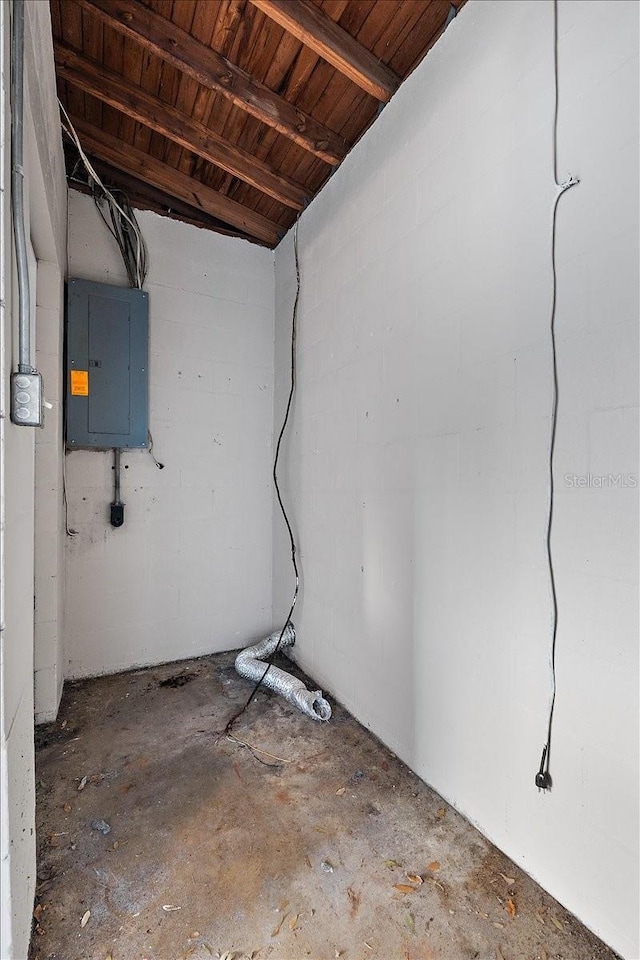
[176,681]
[219,853]
[101,826]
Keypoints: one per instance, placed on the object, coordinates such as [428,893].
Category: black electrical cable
[292,542]
[543,776]
[159,465]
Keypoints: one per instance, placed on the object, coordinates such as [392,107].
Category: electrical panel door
[107,351]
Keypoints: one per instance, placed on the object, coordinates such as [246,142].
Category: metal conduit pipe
[251,665]
[17,188]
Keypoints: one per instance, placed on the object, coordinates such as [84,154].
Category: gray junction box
[106,367]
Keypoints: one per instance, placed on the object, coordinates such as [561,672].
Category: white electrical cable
[140,247]
[543,777]
[128,244]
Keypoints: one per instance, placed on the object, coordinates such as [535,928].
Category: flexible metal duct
[250,665]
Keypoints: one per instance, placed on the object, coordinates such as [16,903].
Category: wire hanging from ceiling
[543,776]
[276,484]
[117,214]
[123,226]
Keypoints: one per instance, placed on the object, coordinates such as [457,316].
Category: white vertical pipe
[17,186]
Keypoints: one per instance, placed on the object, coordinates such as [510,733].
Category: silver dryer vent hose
[250,665]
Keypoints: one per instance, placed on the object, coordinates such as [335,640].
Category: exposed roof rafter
[317,31]
[232,114]
[177,47]
[143,196]
[174,183]
[148,109]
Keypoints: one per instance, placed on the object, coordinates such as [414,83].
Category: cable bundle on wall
[117,214]
[124,226]
[133,253]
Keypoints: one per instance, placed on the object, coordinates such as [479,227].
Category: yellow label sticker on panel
[79,383]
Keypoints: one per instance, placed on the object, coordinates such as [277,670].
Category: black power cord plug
[543,777]
[117,506]
[117,514]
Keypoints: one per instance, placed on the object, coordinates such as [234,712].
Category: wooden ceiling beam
[319,32]
[170,181]
[144,197]
[153,112]
[175,46]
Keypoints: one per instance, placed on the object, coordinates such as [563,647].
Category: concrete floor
[211,853]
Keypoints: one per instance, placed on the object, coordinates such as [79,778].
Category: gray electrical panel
[107,362]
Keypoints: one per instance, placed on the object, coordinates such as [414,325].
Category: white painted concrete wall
[49,502]
[417,465]
[189,573]
[47,227]
[46,200]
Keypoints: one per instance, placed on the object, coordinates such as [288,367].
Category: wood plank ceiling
[231,114]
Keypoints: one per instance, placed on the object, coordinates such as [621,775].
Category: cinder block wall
[49,504]
[29,507]
[416,469]
[190,571]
